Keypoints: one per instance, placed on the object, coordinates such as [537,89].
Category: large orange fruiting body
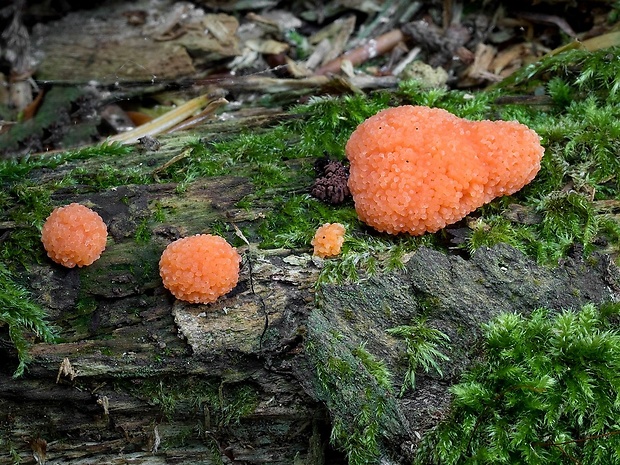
[74,235]
[328,240]
[416,169]
[200,268]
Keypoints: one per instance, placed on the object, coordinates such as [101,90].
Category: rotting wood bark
[453,295]
[159,381]
[180,383]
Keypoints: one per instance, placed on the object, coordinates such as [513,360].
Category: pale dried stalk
[164,122]
[200,117]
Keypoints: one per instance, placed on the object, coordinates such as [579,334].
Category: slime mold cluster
[416,169]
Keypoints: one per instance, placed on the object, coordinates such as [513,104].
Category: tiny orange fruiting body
[200,268]
[74,235]
[328,240]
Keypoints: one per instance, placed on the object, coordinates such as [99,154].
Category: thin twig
[374,47]
[241,236]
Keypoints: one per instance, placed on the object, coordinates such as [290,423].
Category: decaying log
[148,379]
[138,377]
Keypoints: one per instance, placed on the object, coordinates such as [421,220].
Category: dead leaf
[479,69]
[343,30]
[267,46]
[372,48]
[276,21]
[164,122]
[214,37]
[509,57]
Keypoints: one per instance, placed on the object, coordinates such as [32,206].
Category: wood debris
[66,369]
[39,450]
[126,51]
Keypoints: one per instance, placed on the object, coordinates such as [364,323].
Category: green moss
[16,169]
[561,92]
[422,350]
[366,255]
[22,247]
[581,144]
[27,206]
[34,203]
[583,71]
[498,229]
[226,403]
[562,219]
[179,439]
[106,175]
[86,304]
[260,156]
[325,124]
[579,127]
[569,217]
[236,402]
[58,97]
[428,304]
[106,351]
[79,319]
[9,447]
[293,220]
[143,232]
[376,368]
[22,316]
[137,264]
[214,449]
[348,314]
[546,393]
[462,104]
[581,138]
[357,388]
[26,202]
[159,213]
[578,124]
[300,42]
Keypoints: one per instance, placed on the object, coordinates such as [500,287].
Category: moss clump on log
[447,295]
[545,393]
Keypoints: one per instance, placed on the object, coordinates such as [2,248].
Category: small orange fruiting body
[328,240]
[200,268]
[74,235]
[416,169]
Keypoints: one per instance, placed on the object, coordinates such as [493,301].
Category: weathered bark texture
[114,43]
[153,380]
[453,295]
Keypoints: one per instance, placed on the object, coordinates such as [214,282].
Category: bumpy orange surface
[417,169]
[74,235]
[328,240]
[200,268]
